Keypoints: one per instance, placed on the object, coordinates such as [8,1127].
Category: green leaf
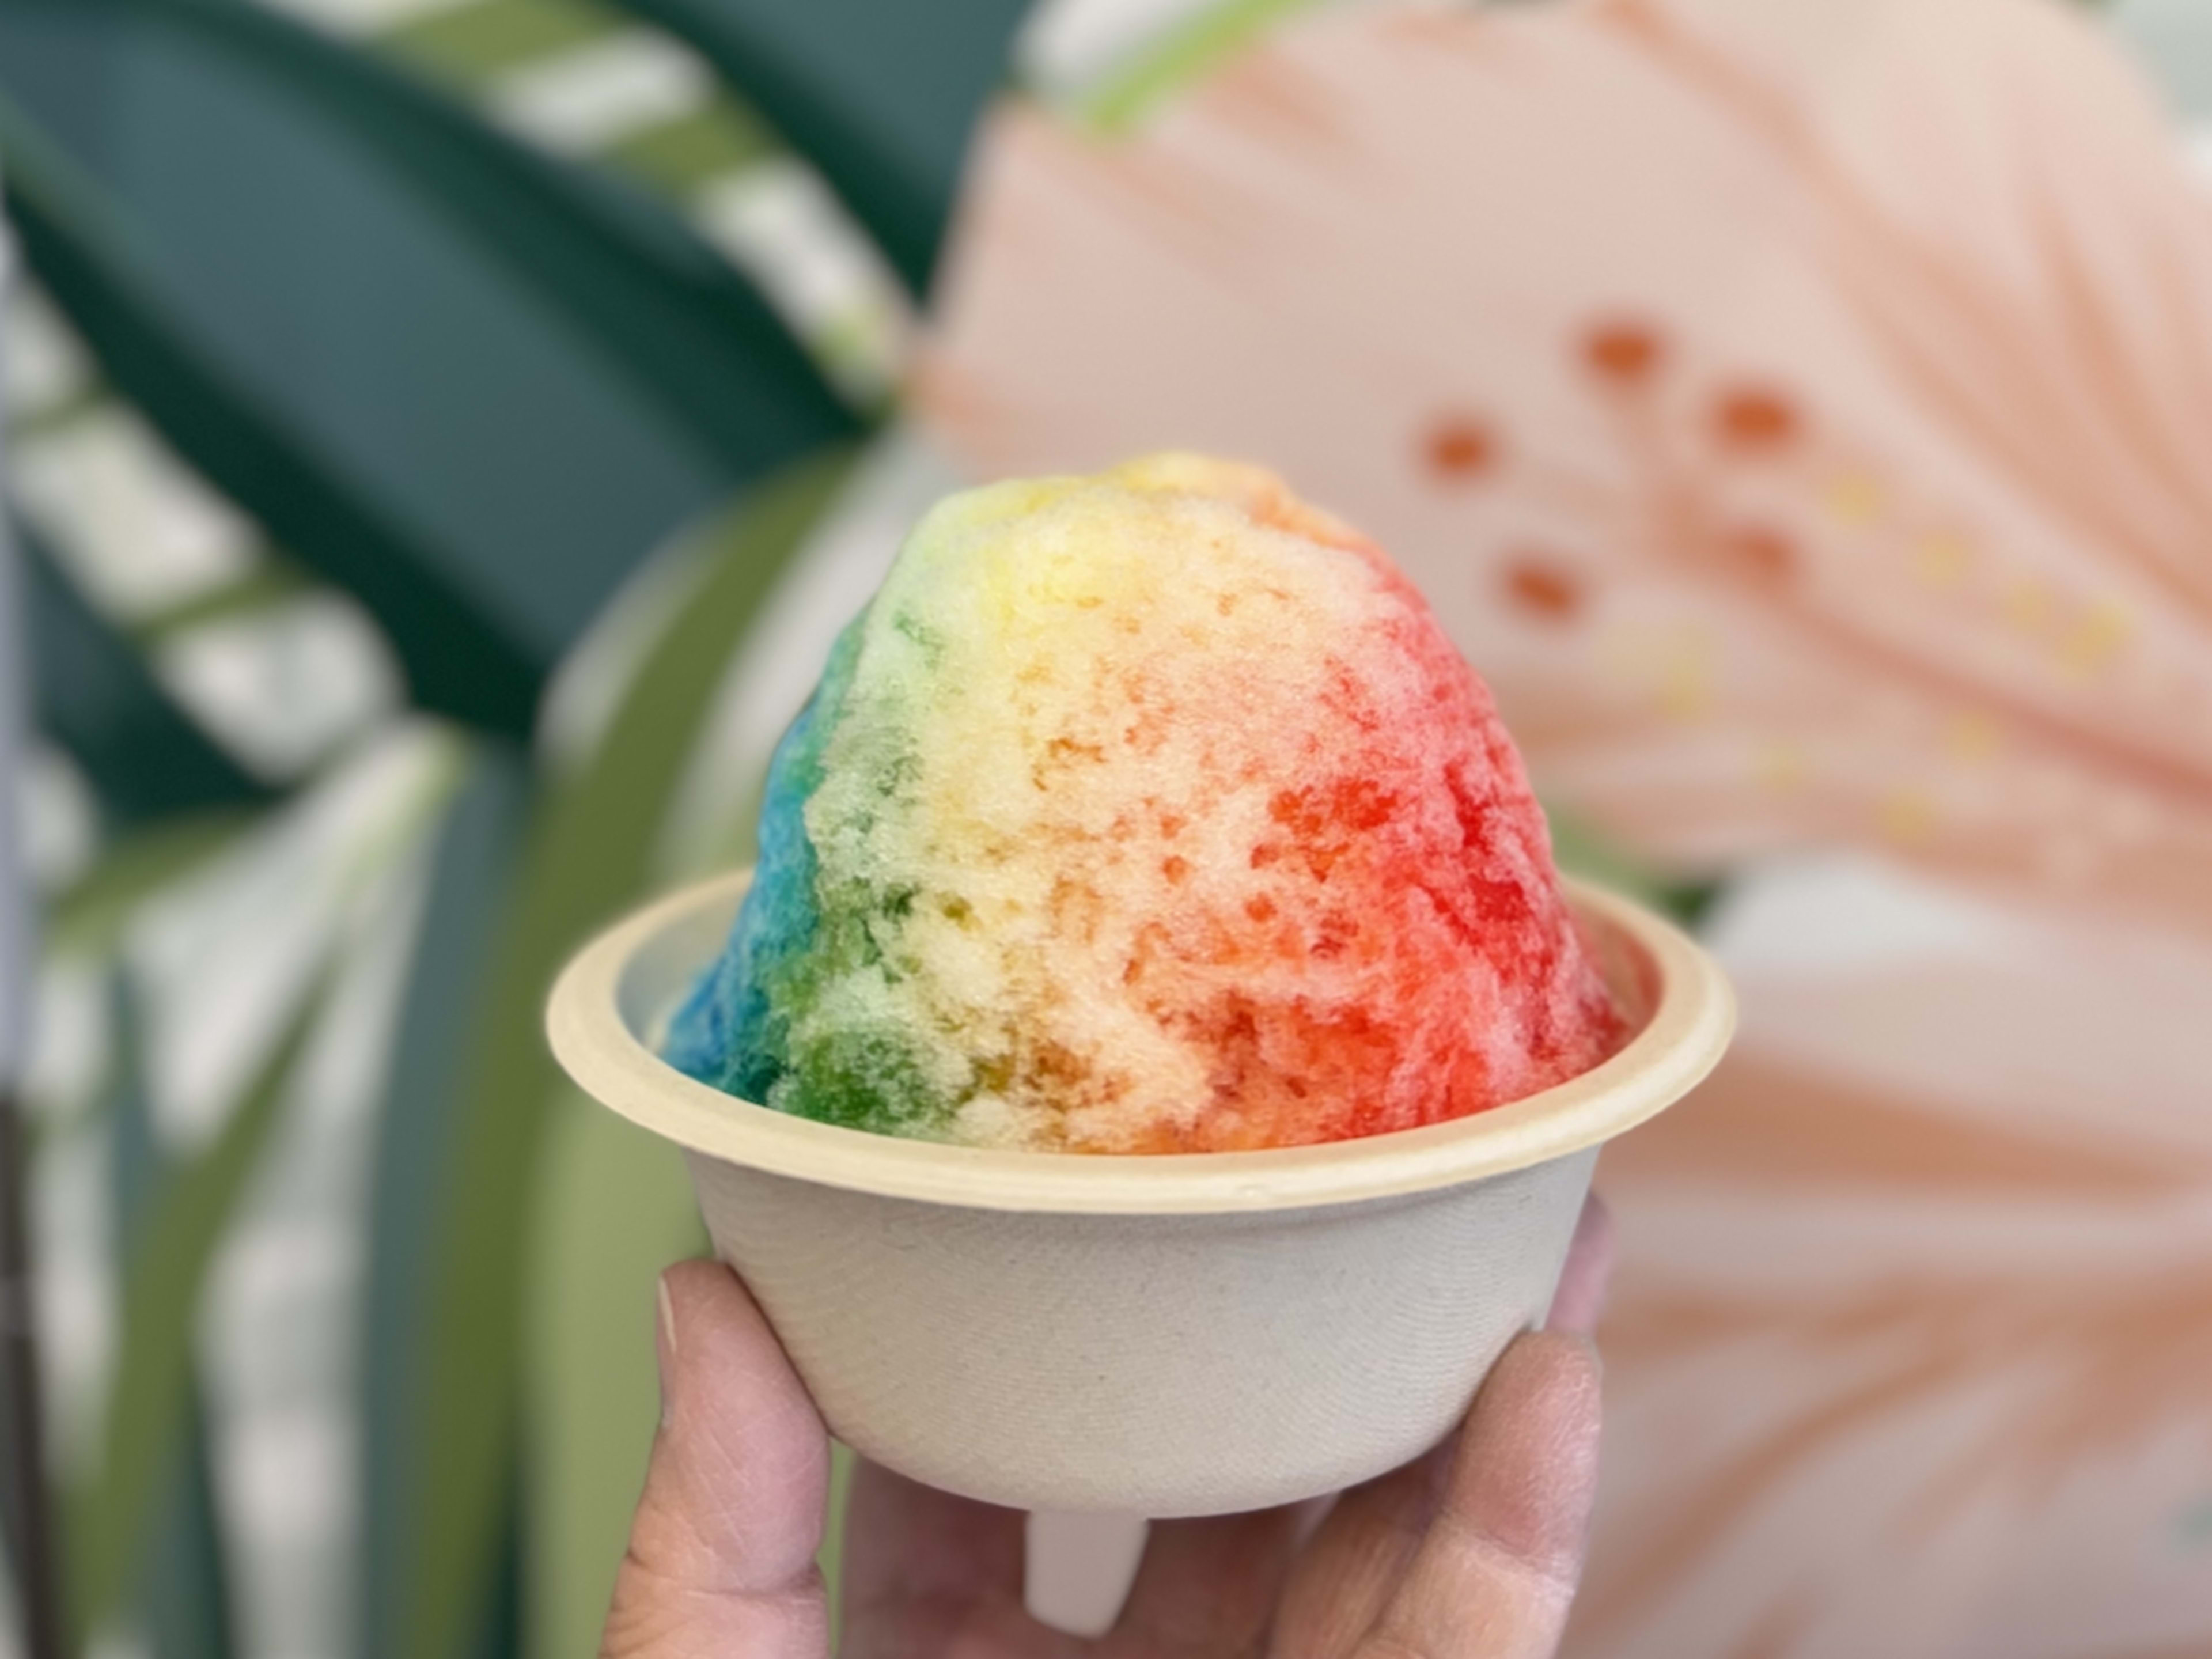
[469,41]
[880,96]
[471,861]
[457,659]
[680,317]
[589,854]
[264,586]
[148,1406]
[615,1207]
[699,152]
[184,1604]
[89,919]
[93,694]
[1186,54]
[186,325]
[179,1591]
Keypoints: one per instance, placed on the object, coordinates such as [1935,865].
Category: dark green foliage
[472,862]
[457,660]
[93,694]
[175,1214]
[186,1594]
[588,852]
[604,375]
[881,98]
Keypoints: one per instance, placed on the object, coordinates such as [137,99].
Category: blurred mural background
[443,435]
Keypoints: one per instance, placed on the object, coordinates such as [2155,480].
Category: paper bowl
[1174,1335]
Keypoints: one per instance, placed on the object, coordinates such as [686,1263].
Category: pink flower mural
[1802,412]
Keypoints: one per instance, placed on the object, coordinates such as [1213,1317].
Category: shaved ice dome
[1146,813]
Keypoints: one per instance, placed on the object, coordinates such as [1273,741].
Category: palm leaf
[100,493]
[683,321]
[94,695]
[149,1410]
[654,379]
[178,1593]
[879,95]
[1181,56]
[471,863]
[589,851]
[336,854]
[184,1604]
[593,85]
[457,659]
[88,920]
[615,1207]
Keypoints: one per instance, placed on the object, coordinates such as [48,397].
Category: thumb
[721,1553]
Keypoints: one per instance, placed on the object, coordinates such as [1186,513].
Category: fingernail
[666,1348]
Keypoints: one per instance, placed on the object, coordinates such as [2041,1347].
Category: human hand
[1472,1551]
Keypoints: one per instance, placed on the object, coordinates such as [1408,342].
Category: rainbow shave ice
[1146,813]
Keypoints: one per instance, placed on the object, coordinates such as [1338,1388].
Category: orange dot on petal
[1539,584]
[1460,447]
[1753,417]
[1626,352]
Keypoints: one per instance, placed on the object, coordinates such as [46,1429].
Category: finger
[721,1554]
[1580,1298]
[1497,1571]
[1206,1587]
[1339,1583]
[927,1574]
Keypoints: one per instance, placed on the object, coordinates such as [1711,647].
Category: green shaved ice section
[865,1080]
[819,1007]
[863,1074]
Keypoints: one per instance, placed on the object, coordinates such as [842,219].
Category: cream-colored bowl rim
[1693,1016]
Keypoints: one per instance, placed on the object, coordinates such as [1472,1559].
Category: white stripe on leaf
[280,1347]
[72,1215]
[1066,47]
[593,96]
[43,364]
[223,961]
[360,19]
[282,687]
[72,1038]
[58,822]
[780,224]
[139,531]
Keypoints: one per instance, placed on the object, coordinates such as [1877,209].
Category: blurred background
[442,437]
